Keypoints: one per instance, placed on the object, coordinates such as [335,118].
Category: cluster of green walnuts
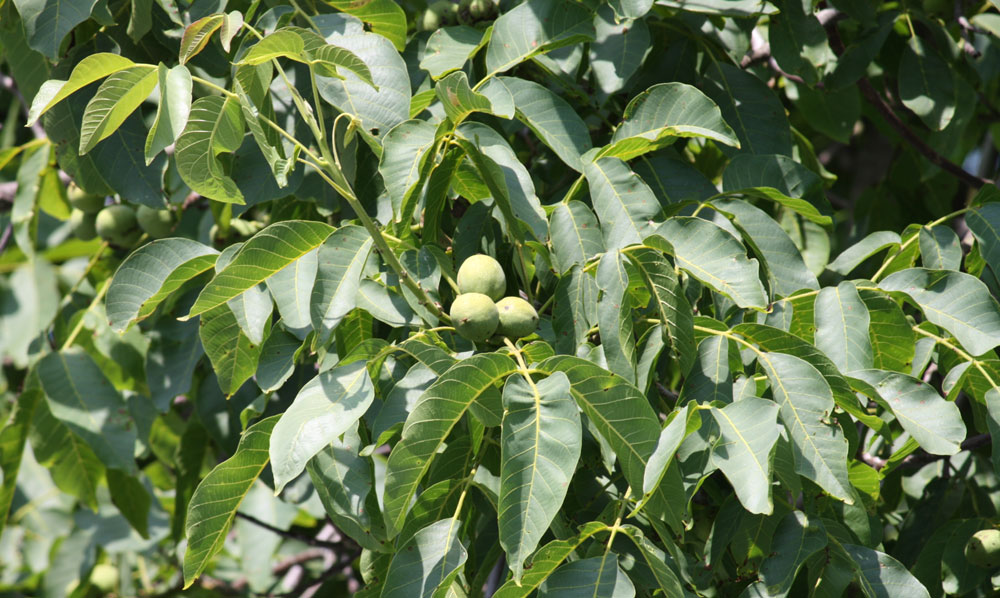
[118,224]
[481,312]
[444,12]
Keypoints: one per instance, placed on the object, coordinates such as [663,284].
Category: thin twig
[305,539]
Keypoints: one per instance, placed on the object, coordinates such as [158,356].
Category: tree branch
[875,99]
[305,539]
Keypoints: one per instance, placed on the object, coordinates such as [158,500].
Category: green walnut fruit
[437,14]
[482,274]
[104,577]
[983,549]
[83,201]
[481,9]
[156,223]
[517,317]
[84,224]
[474,316]
[117,224]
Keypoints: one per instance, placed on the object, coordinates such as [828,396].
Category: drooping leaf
[664,113]
[619,47]
[267,252]
[576,236]
[670,302]
[277,359]
[625,205]
[82,398]
[752,108]
[47,22]
[796,539]
[90,69]
[575,309]
[325,408]
[429,424]
[213,506]
[680,423]
[851,258]
[429,560]
[552,119]
[931,420]
[806,403]
[172,111]
[595,576]
[748,430]
[117,97]
[545,561]
[799,42]
[150,274]
[958,302]
[842,322]
[291,288]
[214,126]
[13,437]
[198,34]
[540,443]
[883,575]
[940,248]
[715,257]
[533,28]
[448,48]
[891,334]
[334,293]
[614,315]
[405,151]
[925,84]
[459,100]
[233,356]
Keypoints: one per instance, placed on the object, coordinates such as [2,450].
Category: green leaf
[405,151]
[117,97]
[931,420]
[575,235]
[940,248]
[664,113]
[891,335]
[926,85]
[842,327]
[625,205]
[545,561]
[385,304]
[748,430]
[787,271]
[540,443]
[431,559]
[614,315]
[277,359]
[729,8]
[385,17]
[344,482]
[448,48]
[507,179]
[459,100]
[82,398]
[959,303]
[853,256]
[75,469]
[214,504]
[13,438]
[131,498]
[341,259]
[681,422]
[214,126]
[46,22]
[984,222]
[618,410]
[631,9]
[233,356]
[536,27]
[552,119]
[575,309]
[197,35]
[806,403]
[711,377]
[795,540]
[671,304]
[325,408]
[619,47]
[595,576]
[799,42]
[150,274]
[307,47]
[751,107]
[266,253]
[428,425]
[883,575]
[172,111]
[291,288]
[387,103]
[713,256]
[90,69]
